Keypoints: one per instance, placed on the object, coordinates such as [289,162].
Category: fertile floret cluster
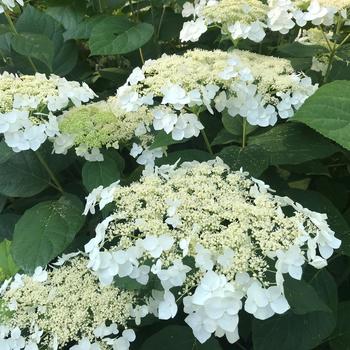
[101,125]
[242,19]
[219,238]
[28,104]
[256,87]
[64,308]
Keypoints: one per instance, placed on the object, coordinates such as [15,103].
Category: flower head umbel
[214,234]
[251,19]
[65,306]
[29,105]
[256,87]
[103,125]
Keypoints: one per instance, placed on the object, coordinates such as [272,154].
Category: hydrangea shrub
[174,174]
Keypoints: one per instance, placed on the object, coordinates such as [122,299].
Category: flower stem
[49,171]
[141,56]
[14,31]
[244,132]
[207,143]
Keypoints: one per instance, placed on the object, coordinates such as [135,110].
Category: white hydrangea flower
[156,245]
[135,150]
[175,95]
[103,331]
[62,143]
[264,303]
[164,120]
[173,276]
[187,126]
[136,76]
[40,275]
[192,30]
[148,157]
[167,306]
[138,313]
[213,308]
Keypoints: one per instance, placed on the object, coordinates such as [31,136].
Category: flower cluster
[219,239]
[64,307]
[101,125]
[28,105]
[242,19]
[9,4]
[256,87]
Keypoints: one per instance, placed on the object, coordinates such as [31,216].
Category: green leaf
[224,137]
[8,267]
[299,50]
[292,143]
[5,152]
[23,176]
[117,35]
[5,44]
[65,59]
[251,158]
[302,297]
[66,16]
[34,21]
[328,112]
[3,201]
[303,332]
[290,332]
[7,225]
[100,173]
[35,46]
[45,230]
[177,337]
[83,29]
[341,336]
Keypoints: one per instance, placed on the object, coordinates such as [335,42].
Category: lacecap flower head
[29,105]
[251,19]
[259,88]
[64,308]
[99,125]
[220,239]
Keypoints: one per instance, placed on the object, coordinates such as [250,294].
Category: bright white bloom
[192,30]
[264,303]
[213,308]
[187,126]
[156,245]
[128,98]
[290,262]
[62,143]
[103,331]
[164,120]
[138,313]
[173,276]
[136,76]
[167,307]
[175,95]
[40,275]
[135,150]
[148,157]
